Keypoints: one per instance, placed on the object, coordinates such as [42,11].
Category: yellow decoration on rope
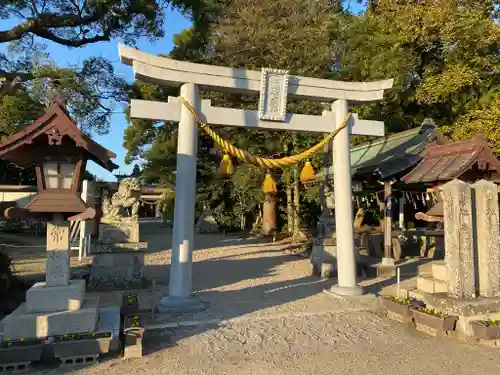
[307,173]
[257,160]
[226,166]
[269,185]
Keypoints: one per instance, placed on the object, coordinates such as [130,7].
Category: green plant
[131,298]
[7,343]
[135,321]
[492,322]
[432,312]
[81,336]
[402,301]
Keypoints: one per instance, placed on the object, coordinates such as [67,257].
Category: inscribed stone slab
[488,237]
[58,258]
[458,236]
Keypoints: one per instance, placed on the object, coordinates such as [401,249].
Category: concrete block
[439,270]
[32,325]
[133,350]
[43,298]
[431,285]
[109,321]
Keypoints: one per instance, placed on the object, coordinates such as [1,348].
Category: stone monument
[466,284]
[488,237]
[458,238]
[118,259]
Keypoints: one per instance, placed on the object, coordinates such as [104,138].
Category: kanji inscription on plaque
[273,94]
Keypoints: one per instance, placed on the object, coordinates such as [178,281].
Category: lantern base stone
[42,298]
[21,324]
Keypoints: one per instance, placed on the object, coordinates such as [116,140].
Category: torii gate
[274,86]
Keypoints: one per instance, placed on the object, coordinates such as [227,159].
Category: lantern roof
[54,125]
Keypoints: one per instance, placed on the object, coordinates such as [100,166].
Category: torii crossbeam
[274,87]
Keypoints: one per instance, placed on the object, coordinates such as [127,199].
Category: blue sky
[63,56]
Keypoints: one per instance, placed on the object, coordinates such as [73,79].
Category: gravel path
[277,321]
[338,343]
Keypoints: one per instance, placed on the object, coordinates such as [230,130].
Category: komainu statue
[124,204]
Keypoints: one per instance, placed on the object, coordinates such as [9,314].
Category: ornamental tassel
[307,173]
[269,185]
[226,166]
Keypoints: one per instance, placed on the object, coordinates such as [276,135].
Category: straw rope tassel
[226,166]
[269,185]
[307,173]
[257,160]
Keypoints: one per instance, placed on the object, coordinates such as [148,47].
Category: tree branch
[72,42]
[47,21]
[10,76]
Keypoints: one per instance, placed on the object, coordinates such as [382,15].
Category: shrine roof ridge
[168,72]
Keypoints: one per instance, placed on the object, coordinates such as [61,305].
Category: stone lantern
[59,150]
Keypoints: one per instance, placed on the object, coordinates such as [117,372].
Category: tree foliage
[247,34]
[444,56]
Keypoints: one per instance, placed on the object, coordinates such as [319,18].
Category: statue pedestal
[324,251]
[118,256]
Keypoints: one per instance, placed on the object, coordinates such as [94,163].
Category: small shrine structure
[469,161]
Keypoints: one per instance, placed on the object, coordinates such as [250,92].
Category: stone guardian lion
[127,197]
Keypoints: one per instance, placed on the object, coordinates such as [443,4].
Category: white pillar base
[388,262]
[188,304]
[346,291]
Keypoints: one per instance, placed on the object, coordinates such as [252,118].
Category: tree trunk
[256,227]
[289,210]
[269,215]
[242,222]
[296,201]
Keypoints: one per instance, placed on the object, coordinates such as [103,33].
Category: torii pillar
[274,86]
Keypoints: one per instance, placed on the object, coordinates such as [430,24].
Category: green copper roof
[392,154]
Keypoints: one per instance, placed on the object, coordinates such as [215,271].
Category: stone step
[425,269]
[439,270]
[430,285]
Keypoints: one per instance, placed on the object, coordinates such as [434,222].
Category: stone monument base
[324,257]
[118,231]
[480,308]
[22,324]
[118,265]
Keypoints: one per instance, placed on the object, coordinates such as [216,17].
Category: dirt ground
[266,314]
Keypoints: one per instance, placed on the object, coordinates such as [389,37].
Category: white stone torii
[274,87]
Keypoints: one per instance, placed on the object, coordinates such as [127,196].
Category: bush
[5,273]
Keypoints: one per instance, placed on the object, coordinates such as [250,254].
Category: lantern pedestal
[57,306]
